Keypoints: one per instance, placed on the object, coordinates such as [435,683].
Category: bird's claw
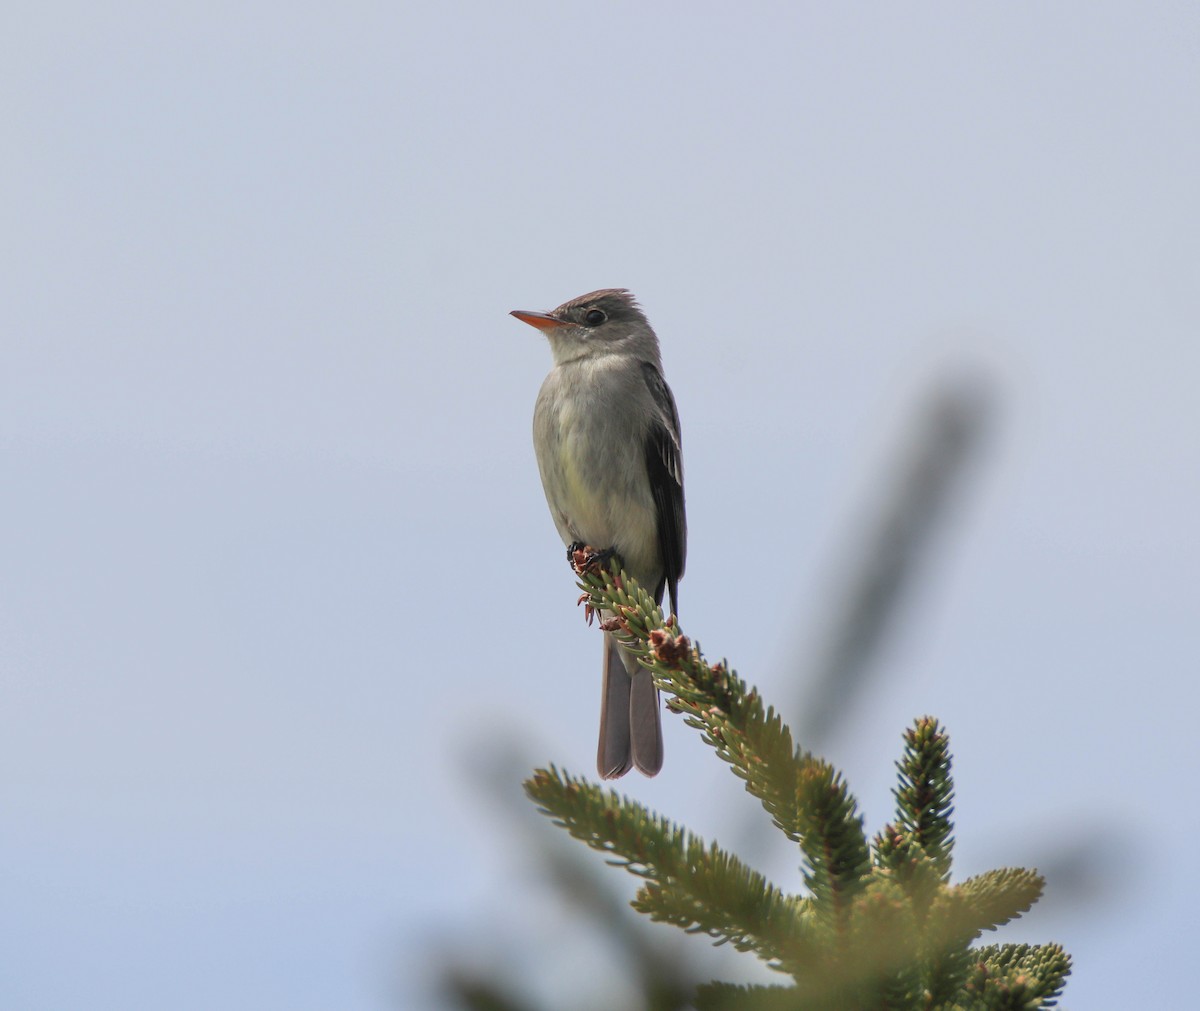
[585,559]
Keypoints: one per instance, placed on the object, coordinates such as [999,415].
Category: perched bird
[606,434]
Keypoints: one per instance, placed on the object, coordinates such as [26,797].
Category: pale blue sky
[276,563]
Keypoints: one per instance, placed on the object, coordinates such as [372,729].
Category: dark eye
[594,317]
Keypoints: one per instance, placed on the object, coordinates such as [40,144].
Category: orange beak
[541,320]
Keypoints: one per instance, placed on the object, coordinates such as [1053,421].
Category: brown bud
[589,612]
[667,649]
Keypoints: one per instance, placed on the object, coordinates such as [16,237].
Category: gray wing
[664,466]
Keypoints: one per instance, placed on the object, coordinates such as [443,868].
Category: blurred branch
[662,974]
[948,435]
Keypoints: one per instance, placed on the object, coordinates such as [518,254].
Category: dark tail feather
[615,755]
[645,724]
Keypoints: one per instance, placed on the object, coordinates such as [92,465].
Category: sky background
[277,580]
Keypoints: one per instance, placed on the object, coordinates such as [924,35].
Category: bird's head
[602,322]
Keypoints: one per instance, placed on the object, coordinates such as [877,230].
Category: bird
[607,439]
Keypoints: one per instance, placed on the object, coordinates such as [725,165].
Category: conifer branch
[924,798]
[697,887]
[712,699]
[1018,976]
[996,897]
[883,927]
[729,997]
[832,839]
[717,996]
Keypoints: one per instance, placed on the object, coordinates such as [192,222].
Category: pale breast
[590,449]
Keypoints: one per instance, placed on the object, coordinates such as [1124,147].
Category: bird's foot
[585,559]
